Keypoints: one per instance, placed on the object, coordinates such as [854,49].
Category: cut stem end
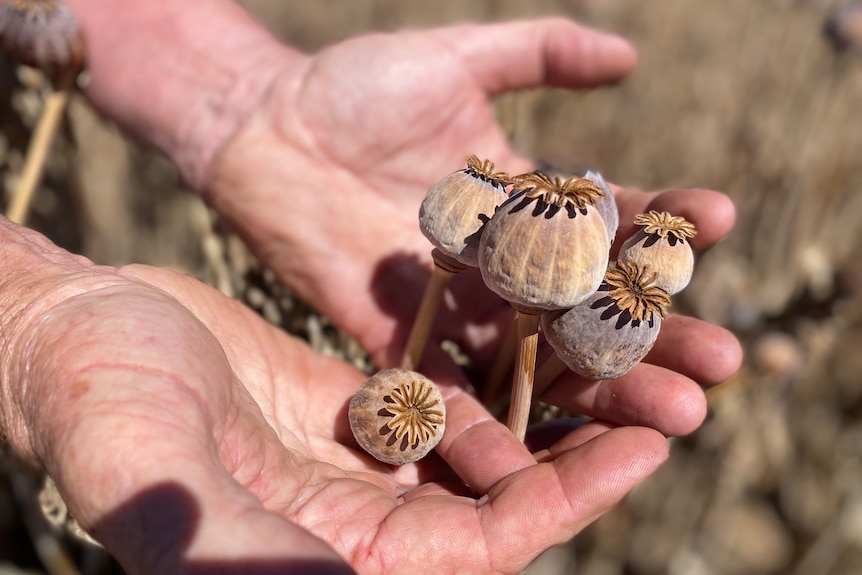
[525,367]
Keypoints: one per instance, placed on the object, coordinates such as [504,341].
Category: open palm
[325,179]
[210,435]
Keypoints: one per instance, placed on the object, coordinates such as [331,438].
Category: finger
[578,435]
[711,212]
[548,503]
[547,438]
[648,395]
[707,353]
[483,452]
[477,447]
[528,54]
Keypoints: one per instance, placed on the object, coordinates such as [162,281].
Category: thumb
[552,51]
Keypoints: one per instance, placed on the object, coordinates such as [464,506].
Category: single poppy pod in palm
[607,334]
[397,416]
[662,243]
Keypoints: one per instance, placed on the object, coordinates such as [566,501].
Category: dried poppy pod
[545,248]
[843,27]
[612,330]
[452,217]
[43,34]
[547,245]
[607,204]
[456,208]
[662,244]
[607,207]
[398,416]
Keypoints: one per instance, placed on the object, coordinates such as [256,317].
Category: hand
[325,178]
[189,436]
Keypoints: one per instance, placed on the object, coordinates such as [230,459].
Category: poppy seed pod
[662,244]
[456,208]
[397,416]
[43,34]
[607,334]
[843,27]
[546,247]
[607,204]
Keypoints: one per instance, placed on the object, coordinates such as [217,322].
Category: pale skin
[188,435]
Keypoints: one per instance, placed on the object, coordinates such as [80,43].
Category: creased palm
[187,434]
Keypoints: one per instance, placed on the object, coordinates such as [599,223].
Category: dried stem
[502,366]
[525,367]
[37,153]
[550,370]
[444,268]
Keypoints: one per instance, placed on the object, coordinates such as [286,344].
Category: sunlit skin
[186,433]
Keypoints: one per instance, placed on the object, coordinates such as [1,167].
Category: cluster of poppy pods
[542,242]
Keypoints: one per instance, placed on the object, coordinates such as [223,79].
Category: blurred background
[751,97]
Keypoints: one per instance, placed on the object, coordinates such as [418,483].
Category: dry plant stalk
[547,373]
[452,217]
[502,366]
[444,269]
[43,34]
[37,154]
[525,367]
